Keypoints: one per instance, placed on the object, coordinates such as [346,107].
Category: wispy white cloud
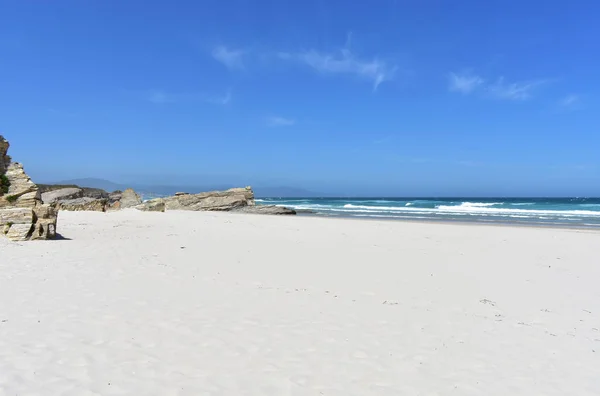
[468,83]
[160,97]
[383,140]
[344,62]
[570,101]
[276,121]
[464,83]
[519,91]
[220,100]
[231,58]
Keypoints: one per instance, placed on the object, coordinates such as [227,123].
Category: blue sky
[387,97]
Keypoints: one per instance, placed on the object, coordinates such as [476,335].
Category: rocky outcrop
[76,198]
[83,204]
[23,216]
[227,200]
[212,201]
[96,193]
[129,199]
[115,196]
[153,205]
[62,194]
[266,209]
[234,200]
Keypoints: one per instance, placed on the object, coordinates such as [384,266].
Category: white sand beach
[196,303]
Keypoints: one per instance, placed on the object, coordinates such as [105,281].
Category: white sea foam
[473,210]
[479,204]
[535,212]
[409,204]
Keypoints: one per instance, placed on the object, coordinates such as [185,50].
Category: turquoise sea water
[576,212]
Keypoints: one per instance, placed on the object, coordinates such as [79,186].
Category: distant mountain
[93,183]
[161,190]
[285,192]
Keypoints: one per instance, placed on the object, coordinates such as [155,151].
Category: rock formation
[54,196]
[234,200]
[76,198]
[153,205]
[23,216]
[83,204]
[212,201]
[129,199]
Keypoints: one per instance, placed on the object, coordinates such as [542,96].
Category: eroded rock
[62,194]
[212,201]
[129,199]
[23,216]
[83,204]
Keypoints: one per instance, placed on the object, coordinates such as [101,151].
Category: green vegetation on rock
[4,184]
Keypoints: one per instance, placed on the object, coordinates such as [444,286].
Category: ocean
[570,212]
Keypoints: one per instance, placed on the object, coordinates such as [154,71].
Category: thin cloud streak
[223,100]
[231,58]
[160,97]
[276,121]
[518,91]
[569,101]
[344,62]
[464,83]
[467,83]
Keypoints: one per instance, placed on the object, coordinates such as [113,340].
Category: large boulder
[212,201]
[129,199]
[23,215]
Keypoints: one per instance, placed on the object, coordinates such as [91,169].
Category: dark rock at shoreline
[305,211]
[266,209]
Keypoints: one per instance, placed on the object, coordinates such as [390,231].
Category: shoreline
[581,213]
[457,222]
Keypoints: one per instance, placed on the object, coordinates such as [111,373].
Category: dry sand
[183,303]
